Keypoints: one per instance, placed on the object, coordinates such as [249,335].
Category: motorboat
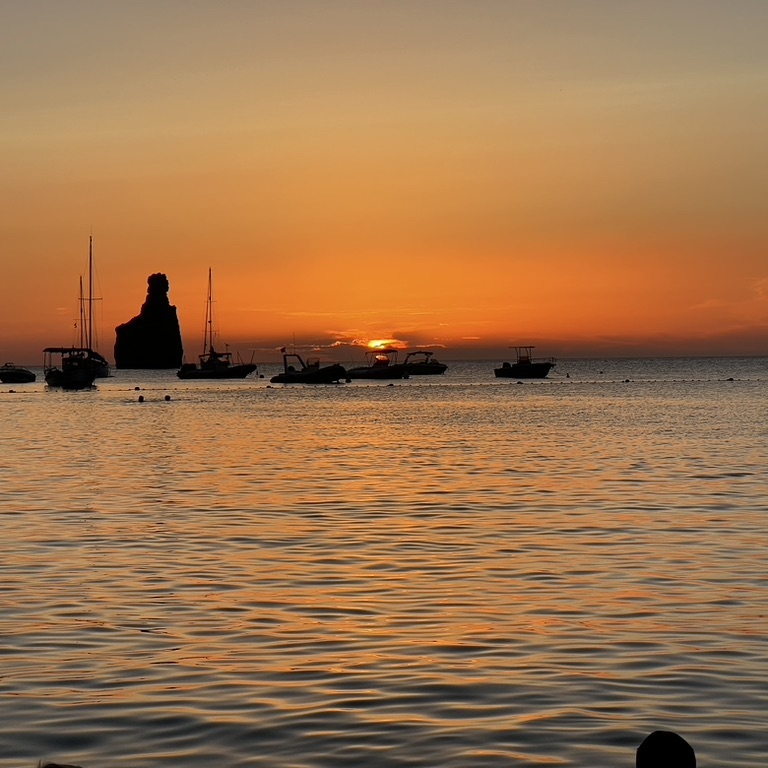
[298,371]
[525,366]
[15,374]
[75,369]
[382,364]
[422,363]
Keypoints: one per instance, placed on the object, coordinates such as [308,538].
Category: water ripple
[465,575]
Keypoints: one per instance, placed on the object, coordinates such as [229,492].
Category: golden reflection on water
[372,574]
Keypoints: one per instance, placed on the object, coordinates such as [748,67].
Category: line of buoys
[660,748]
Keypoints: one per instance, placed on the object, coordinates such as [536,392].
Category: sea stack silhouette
[152,339]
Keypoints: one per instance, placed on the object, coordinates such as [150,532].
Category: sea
[454,571]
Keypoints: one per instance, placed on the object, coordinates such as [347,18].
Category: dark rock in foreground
[152,339]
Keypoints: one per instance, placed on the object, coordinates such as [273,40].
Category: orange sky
[586,176]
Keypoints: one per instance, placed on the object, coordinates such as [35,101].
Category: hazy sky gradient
[589,177]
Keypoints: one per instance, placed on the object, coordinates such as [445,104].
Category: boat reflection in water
[382,364]
[309,372]
[525,366]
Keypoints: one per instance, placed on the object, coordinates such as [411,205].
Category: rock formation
[152,339]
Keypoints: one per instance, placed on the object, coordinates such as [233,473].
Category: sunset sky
[589,176]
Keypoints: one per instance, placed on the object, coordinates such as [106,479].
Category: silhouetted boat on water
[75,369]
[78,365]
[213,364]
[525,366]
[382,364]
[421,363]
[15,374]
[309,372]
[94,359]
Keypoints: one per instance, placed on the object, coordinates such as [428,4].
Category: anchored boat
[525,366]
[422,363]
[95,360]
[382,364]
[15,374]
[75,368]
[309,372]
[213,364]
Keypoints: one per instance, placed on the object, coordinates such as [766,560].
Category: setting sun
[385,344]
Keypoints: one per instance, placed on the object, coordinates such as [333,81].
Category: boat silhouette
[78,365]
[308,372]
[213,364]
[75,368]
[525,366]
[422,363]
[382,364]
[15,374]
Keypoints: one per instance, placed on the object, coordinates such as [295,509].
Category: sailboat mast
[82,315]
[209,316]
[89,336]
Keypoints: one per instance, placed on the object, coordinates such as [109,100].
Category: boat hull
[396,371]
[74,379]
[75,370]
[426,369]
[191,371]
[11,374]
[524,371]
[99,366]
[422,363]
[331,374]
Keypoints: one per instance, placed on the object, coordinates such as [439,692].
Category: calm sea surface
[450,572]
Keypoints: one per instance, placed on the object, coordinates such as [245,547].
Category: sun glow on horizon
[522,174]
[385,344]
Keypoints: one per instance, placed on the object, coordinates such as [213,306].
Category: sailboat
[96,361]
[77,366]
[213,364]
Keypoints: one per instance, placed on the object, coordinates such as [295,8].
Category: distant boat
[78,365]
[382,364]
[308,372]
[75,369]
[213,364]
[421,363]
[95,360]
[525,366]
[15,374]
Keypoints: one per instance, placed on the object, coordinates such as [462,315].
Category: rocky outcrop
[152,339]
